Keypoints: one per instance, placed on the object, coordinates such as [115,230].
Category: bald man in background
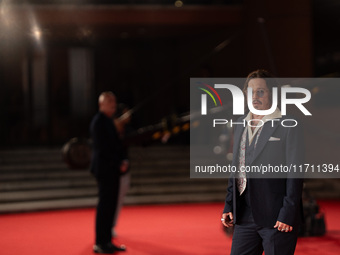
[108,161]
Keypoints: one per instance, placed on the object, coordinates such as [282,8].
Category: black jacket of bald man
[107,156]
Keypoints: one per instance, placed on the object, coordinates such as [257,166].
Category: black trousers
[251,239]
[108,189]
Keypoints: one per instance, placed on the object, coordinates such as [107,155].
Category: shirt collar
[251,134]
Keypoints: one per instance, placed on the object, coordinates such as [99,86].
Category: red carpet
[146,230]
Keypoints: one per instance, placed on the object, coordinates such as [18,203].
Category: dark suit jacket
[271,199]
[108,152]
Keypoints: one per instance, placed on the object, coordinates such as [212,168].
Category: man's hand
[124,166]
[227,219]
[283,227]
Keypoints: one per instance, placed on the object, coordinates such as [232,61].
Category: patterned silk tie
[242,178]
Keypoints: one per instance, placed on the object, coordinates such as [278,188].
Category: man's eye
[260,93]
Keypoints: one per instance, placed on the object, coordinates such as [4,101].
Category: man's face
[261,95]
[109,105]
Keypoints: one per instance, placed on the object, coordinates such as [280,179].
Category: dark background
[56,57]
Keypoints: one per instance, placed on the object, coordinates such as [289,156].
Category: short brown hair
[260,73]
[267,76]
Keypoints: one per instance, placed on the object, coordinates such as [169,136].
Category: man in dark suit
[266,211]
[108,161]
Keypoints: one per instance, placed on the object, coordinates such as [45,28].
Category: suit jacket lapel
[267,131]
